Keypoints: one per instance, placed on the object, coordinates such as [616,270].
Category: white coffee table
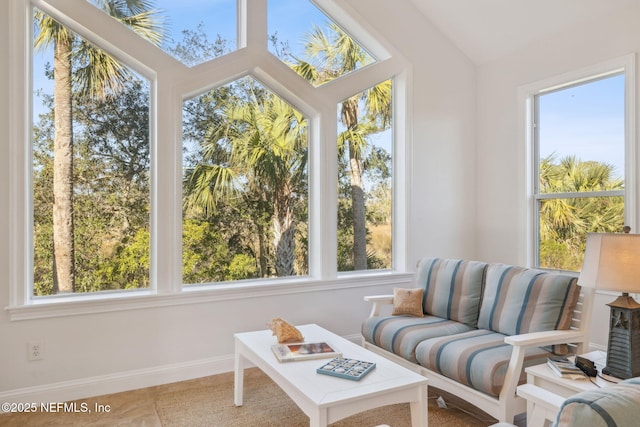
[326,399]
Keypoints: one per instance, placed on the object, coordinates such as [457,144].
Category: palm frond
[100,75]
[205,185]
[306,71]
[48,31]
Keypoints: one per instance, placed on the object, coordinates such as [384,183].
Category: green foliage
[246,196]
[243,267]
[111,193]
[246,184]
[332,53]
[565,222]
[204,253]
[100,183]
[134,261]
[250,155]
[559,255]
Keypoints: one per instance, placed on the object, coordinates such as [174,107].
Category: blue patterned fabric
[519,300]
[452,288]
[477,358]
[612,406]
[401,334]
[470,307]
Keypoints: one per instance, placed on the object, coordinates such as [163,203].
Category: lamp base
[623,351]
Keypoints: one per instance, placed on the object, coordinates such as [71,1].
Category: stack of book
[564,368]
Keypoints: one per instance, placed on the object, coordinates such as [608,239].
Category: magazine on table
[565,368]
[287,352]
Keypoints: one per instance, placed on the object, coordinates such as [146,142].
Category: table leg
[238,377]
[530,408]
[537,418]
[419,413]
[320,419]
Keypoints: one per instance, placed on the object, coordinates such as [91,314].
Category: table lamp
[612,263]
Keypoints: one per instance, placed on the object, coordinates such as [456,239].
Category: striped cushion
[478,358]
[401,334]
[452,288]
[519,300]
[611,406]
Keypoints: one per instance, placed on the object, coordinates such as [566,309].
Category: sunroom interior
[461,186]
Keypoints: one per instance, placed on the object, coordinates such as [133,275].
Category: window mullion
[578,195]
[536,179]
[19,207]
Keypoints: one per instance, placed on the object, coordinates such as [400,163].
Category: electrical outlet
[34,350]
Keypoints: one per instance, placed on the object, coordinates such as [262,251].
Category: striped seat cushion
[452,288]
[477,358]
[518,300]
[401,334]
[612,406]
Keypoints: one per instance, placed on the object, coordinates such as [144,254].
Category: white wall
[500,174]
[443,198]
[106,352]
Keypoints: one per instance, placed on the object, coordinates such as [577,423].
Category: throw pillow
[452,288]
[407,302]
[519,300]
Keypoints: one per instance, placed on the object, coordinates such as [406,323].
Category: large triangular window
[193,33]
[311,43]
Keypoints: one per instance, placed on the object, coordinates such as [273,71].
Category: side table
[545,391]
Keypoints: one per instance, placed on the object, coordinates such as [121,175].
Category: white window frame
[171,83]
[527,95]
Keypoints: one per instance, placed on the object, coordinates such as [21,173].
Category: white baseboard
[83,388]
[114,383]
[593,347]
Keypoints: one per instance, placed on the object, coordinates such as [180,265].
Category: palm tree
[99,75]
[334,55]
[265,160]
[565,222]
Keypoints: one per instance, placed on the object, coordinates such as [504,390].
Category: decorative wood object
[623,350]
[284,331]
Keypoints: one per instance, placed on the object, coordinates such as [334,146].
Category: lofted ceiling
[488,29]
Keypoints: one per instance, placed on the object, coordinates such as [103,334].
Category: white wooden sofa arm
[538,339]
[378,301]
[542,404]
[540,395]
[532,339]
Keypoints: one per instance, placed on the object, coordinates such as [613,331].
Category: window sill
[195,294]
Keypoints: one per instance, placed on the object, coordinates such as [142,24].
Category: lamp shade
[612,262]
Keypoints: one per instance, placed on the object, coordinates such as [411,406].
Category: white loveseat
[481,324]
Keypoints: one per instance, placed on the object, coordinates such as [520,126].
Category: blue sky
[586,121]
[218,16]
[291,19]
